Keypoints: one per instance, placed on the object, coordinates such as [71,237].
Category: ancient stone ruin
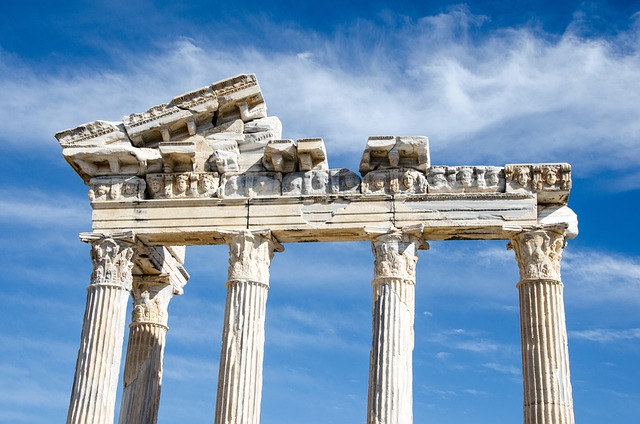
[211,167]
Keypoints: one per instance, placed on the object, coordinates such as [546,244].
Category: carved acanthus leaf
[538,253]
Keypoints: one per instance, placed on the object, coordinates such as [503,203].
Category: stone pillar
[145,352]
[93,395]
[390,370]
[240,376]
[545,356]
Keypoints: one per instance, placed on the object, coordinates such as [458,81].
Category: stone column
[145,352]
[545,356]
[390,370]
[94,388]
[240,376]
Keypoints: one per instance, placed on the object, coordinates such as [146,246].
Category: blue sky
[489,82]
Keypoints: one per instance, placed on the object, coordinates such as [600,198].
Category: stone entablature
[210,167]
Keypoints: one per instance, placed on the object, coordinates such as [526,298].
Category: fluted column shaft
[145,351]
[240,376]
[96,379]
[545,355]
[390,371]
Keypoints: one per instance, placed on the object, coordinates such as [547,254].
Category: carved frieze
[112,259]
[185,184]
[383,152]
[320,182]
[116,188]
[538,253]
[465,179]
[552,182]
[250,184]
[394,181]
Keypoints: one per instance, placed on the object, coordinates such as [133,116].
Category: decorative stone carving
[384,152]
[116,188]
[312,154]
[93,134]
[539,253]
[112,259]
[240,98]
[280,156]
[240,376]
[178,156]
[200,101]
[393,311]
[319,182]
[465,179]
[545,358]
[552,182]
[251,184]
[225,156]
[250,254]
[186,184]
[93,395]
[394,181]
[115,159]
[263,130]
[150,301]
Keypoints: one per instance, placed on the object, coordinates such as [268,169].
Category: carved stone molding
[321,182]
[394,181]
[552,182]
[250,254]
[112,258]
[184,184]
[251,184]
[116,188]
[538,253]
[465,179]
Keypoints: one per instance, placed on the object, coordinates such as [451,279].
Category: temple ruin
[211,167]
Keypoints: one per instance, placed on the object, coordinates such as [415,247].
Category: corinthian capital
[396,253]
[112,258]
[250,254]
[538,253]
[151,296]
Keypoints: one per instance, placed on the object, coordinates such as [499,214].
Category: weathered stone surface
[280,156]
[321,182]
[240,377]
[545,356]
[466,179]
[211,167]
[394,181]
[251,184]
[384,152]
[180,185]
[312,154]
[93,395]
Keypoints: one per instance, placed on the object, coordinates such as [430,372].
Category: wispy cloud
[514,94]
[595,277]
[605,335]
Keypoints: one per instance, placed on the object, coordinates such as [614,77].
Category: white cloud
[39,209]
[594,277]
[509,95]
[606,335]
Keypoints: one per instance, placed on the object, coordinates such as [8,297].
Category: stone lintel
[326,218]
[160,262]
